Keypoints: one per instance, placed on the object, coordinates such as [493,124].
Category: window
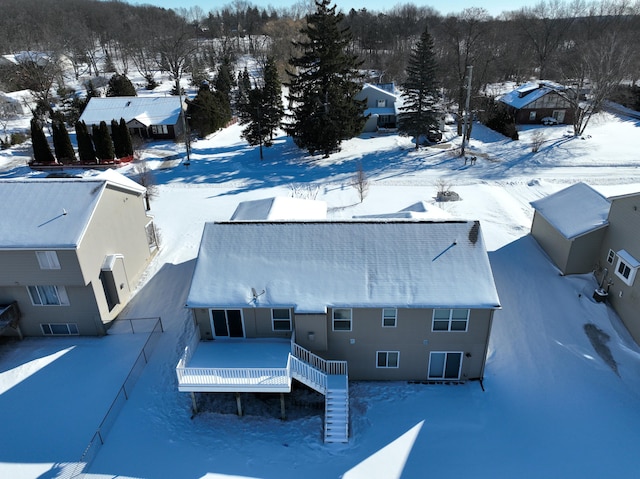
[341,319]
[611,256]
[532,115]
[387,359]
[281,319]
[48,295]
[626,267]
[389,317]
[450,319]
[64,329]
[444,365]
[381,103]
[152,239]
[48,259]
[159,129]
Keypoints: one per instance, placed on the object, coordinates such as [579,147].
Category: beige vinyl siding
[552,242]
[21,266]
[82,310]
[116,227]
[623,233]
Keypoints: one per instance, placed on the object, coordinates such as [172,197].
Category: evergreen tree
[244,87]
[126,137]
[208,111]
[62,143]
[102,141]
[41,151]
[116,137]
[418,114]
[120,85]
[272,93]
[224,81]
[323,87]
[253,115]
[86,152]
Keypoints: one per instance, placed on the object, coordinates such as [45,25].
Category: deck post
[194,404]
[239,404]
[283,412]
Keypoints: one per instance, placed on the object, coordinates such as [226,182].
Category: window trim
[334,319]
[69,326]
[450,320]
[629,262]
[48,259]
[282,320]
[61,294]
[611,256]
[395,317]
[386,356]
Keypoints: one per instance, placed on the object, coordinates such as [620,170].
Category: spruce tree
[62,143]
[41,151]
[86,152]
[116,137]
[324,84]
[272,93]
[420,94]
[120,85]
[203,111]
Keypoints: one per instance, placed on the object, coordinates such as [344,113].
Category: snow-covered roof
[51,212]
[575,210]
[420,210]
[280,208]
[530,92]
[148,110]
[314,265]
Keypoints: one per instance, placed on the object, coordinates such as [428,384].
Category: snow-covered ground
[552,406]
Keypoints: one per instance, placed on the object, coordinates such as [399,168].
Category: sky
[553,405]
[494,7]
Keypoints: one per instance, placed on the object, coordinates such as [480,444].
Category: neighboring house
[365,300]
[155,117]
[532,102]
[280,208]
[417,211]
[381,108]
[589,233]
[10,106]
[72,251]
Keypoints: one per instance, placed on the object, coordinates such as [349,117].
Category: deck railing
[236,377]
[324,365]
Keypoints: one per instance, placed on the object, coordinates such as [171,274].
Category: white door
[444,365]
[227,323]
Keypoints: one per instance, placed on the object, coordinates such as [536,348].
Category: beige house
[327,301]
[584,232]
[71,252]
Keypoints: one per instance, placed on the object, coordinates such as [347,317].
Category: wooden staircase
[330,379]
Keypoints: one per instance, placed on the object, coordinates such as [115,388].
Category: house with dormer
[381,108]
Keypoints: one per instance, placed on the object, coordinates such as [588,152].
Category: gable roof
[372,91]
[574,211]
[418,211]
[280,208]
[148,110]
[530,92]
[315,265]
[50,212]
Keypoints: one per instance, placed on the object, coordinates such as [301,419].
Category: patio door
[227,323]
[558,115]
[444,365]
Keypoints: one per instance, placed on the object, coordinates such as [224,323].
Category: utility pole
[466,110]
[187,136]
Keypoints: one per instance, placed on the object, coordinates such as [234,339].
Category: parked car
[549,120]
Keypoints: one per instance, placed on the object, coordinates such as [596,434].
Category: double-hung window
[450,319]
[281,319]
[48,259]
[387,359]
[48,295]
[341,319]
[389,317]
[626,267]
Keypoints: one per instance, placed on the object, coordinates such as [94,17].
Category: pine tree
[120,85]
[208,111]
[323,87]
[272,93]
[420,91]
[86,152]
[41,151]
[118,141]
[244,87]
[103,143]
[62,143]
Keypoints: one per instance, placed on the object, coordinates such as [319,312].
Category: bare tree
[144,175]
[360,182]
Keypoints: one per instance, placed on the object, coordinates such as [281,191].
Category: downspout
[486,349]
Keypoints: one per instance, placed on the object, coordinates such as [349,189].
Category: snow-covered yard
[562,381]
